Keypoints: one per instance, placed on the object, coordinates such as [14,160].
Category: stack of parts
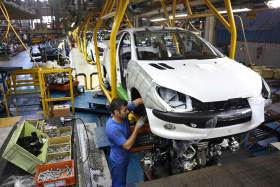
[24,149]
[56,174]
[59,149]
[58,132]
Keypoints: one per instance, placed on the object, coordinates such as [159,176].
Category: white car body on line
[166,82]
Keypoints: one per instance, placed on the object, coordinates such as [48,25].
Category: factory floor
[30,105]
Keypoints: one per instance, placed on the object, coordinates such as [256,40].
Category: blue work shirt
[118,134]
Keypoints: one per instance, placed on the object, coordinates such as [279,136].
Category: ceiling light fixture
[236,10]
[273,4]
[158,19]
[170,17]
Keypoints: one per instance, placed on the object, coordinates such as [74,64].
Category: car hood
[206,80]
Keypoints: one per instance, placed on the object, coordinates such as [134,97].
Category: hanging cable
[245,40]
[193,27]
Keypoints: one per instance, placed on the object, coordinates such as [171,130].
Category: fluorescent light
[170,17]
[178,16]
[158,19]
[273,4]
[236,10]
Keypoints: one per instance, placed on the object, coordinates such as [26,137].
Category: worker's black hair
[116,104]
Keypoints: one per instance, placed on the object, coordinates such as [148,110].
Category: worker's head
[119,108]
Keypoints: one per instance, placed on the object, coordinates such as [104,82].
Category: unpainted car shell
[207,80]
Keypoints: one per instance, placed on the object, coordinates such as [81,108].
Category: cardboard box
[276,74]
[267,73]
[61,110]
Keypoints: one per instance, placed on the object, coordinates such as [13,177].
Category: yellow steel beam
[130,25]
[121,8]
[107,7]
[165,11]
[173,13]
[85,29]
[58,99]
[230,24]
[25,84]
[72,92]
[109,15]
[188,7]
[216,12]
[43,95]
[111,6]
[233,33]
[46,71]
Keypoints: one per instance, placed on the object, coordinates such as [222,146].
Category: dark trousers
[118,173]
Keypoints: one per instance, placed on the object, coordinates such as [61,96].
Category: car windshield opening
[172,45]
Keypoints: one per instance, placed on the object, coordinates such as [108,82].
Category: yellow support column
[230,25]
[188,7]
[121,7]
[165,11]
[71,91]
[42,87]
[107,6]
[233,33]
[173,13]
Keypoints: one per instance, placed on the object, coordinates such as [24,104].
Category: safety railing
[45,94]
[85,78]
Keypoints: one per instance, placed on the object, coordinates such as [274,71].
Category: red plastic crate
[62,181]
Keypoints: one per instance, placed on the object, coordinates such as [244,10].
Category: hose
[245,40]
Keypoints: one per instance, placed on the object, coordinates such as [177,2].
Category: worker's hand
[141,122]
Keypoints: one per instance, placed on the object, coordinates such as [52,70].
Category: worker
[117,130]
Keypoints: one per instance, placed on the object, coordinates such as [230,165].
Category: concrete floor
[22,59]
[81,66]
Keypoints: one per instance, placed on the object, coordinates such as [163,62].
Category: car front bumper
[206,125]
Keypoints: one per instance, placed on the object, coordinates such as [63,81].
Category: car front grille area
[219,123]
[230,104]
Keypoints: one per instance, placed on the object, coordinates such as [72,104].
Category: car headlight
[266,93]
[175,100]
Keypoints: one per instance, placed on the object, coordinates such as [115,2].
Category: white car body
[91,51]
[213,81]
[102,44]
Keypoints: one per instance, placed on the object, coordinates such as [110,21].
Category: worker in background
[117,130]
